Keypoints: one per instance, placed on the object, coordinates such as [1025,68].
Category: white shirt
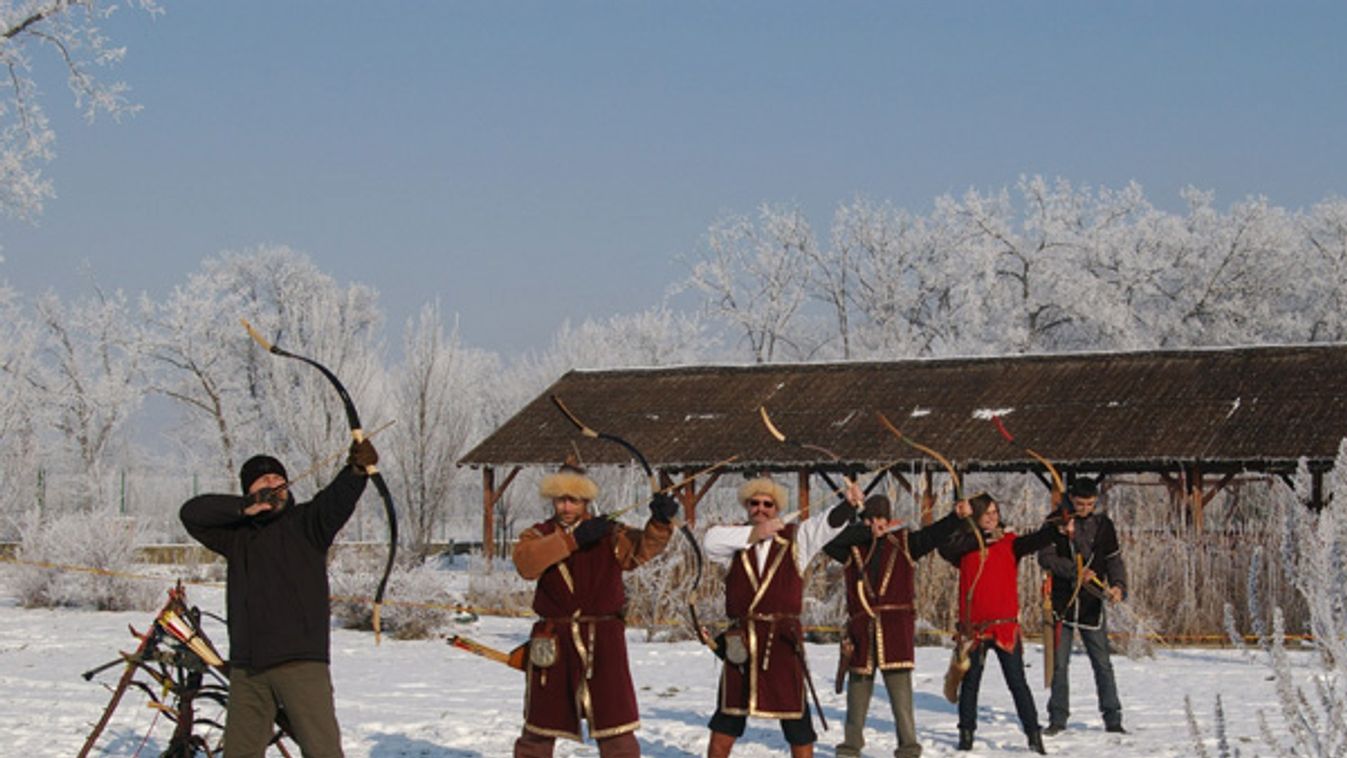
[722,542]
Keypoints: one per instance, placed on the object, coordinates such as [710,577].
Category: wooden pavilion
[1196,418]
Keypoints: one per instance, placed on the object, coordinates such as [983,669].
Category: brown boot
[802,751]
[530,745]
[622,746]
[720,746]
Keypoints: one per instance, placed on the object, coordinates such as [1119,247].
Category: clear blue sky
[531,161]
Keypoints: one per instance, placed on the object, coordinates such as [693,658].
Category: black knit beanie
[258,466]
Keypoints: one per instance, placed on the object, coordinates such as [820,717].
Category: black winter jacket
[276,590]
[1096,542]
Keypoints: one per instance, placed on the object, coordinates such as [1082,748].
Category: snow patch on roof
[918,412]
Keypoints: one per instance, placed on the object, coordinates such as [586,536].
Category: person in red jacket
[989,610]
[577,663]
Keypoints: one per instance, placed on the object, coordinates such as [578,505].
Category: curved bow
[958,495]
[588,431]
[1058,489]
[357,434]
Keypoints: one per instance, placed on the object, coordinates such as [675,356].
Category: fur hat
[763,486]
[257,467]
[877,506]
[569,481]
[1084,487]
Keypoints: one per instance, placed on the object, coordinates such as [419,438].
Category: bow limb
[1058,488]
[958,495]
[942,460]
[358,435]
[683,528]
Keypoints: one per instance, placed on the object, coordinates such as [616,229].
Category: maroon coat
[580,600]
[764,607]
[879,607]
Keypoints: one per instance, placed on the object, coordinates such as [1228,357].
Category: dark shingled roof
[1247,408]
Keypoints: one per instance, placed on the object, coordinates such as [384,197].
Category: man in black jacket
[1081,580]
[277,599]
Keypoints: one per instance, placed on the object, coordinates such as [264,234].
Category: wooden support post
[490,496]
[803,495]
[1195,501]
[488,514]
[927,498]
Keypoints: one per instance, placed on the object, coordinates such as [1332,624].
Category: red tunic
[994,610]
[579,600]
[880,619]
[765,607]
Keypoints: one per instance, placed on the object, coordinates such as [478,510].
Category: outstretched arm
[535,551]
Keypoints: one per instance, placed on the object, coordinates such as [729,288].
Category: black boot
[1036,743]
[965,739]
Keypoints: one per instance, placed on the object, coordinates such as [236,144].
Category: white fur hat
[569,481]
[763,486]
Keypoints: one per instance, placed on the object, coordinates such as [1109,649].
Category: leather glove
[363,455]
[590,531]
[663,508]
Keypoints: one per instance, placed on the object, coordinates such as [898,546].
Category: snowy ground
[426,699]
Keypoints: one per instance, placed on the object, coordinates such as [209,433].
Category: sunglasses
[762,502]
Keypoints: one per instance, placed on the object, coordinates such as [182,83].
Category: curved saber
[358,435]
[683,528]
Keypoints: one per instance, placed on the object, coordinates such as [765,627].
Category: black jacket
[277,591]
[1096,542]
[919,543]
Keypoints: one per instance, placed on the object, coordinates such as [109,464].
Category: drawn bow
[357,434]
[654,490]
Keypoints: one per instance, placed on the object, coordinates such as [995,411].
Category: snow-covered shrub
[417,602]
[499,589]
[83,560]
[1313,715]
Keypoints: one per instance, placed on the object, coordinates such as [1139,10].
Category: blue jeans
[1012,666]
[1096,647]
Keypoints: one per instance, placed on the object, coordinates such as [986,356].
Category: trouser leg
[799,731]
[1059,703]
[249,715]
[860,687]
[530,745]
[968,687]
[1096,647]
[899,685]
[720,745]
[620,746]
[305,691]
[1012,666]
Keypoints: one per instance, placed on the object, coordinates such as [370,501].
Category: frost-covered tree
[89,382]
[241,400]
[753,276]
[19,406]
[1044,266]
[67,31]
[438,404]
[1324,277]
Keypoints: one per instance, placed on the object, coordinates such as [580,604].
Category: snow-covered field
[426,699]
